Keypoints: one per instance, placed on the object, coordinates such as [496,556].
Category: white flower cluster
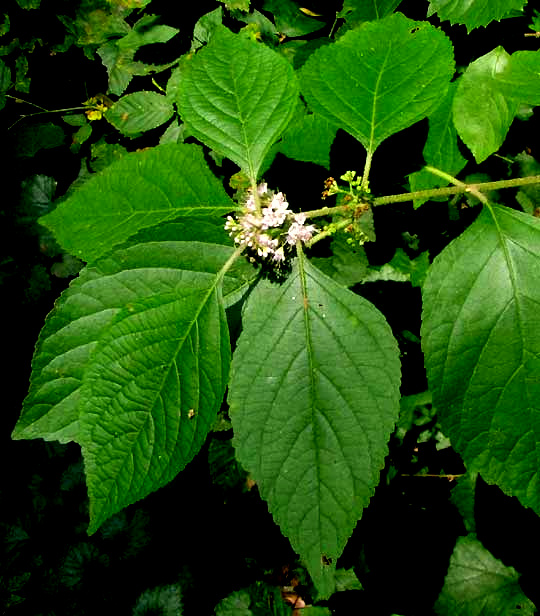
[266,233]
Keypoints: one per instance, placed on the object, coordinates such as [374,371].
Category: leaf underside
[314,396]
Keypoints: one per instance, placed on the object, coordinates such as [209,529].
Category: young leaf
[481,342]
[237,97]
[85,311]
[139,112]
[314,396]
[152,390]
[143,189]
[482,121]
[474,13]
[477,583]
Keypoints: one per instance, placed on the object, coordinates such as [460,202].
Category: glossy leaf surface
[314,396]
[237,97]
[379,79]
[481,340]
[140,190]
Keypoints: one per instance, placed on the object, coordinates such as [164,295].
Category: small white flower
[298,231]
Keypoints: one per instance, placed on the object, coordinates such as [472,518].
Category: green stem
[334,227]
[367,169]
[453,190]
[228,264]
[452,180]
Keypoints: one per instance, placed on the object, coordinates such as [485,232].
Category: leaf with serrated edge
[477,583]
[142,189]
[237,97]
[482,121]
[151,392]
[379,79]
[314,396]
[85,311]
[481,340]
[139,112]
[474,13]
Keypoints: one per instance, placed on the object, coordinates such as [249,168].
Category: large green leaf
[478,584]
[138,191]
[86,310]
[474,13]
[379,79]
[152,390]
[482,111]
[314,396]
[481,339]
[237,97]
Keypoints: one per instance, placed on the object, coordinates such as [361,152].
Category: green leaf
[477,583]
[241,5]
[118,55]
[309,140]
[31,139]
[355,12]
[474,13]
[482,121]
[481,342]
[290,20]
[379,79]
[143,189]
[237,97]
[152,390]
[29,4]
[441,149]
[521,80]
[314,396]
[205,28]
[348,264]
[5,82]
[139,112]
[463,497]
[85,312]
[368,11]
